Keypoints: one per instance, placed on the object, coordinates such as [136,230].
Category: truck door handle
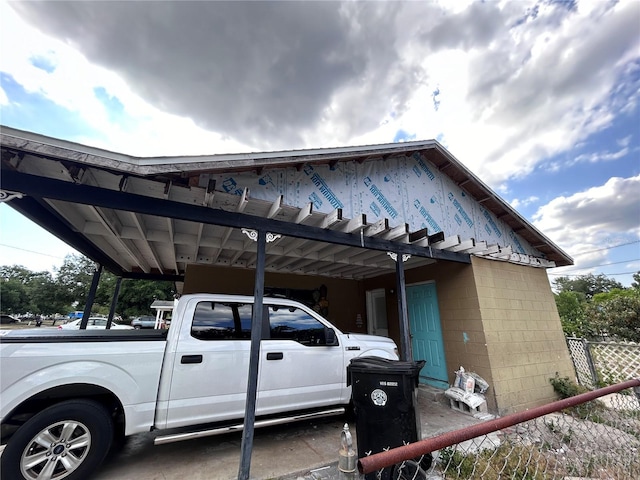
[275,356]
[191,359]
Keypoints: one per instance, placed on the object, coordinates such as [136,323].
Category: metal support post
[114,301]
[403,316]
[91,297]
[254,360]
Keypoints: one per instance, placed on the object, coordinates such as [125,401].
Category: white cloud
[518,81]
[624,142]
[523,202]
[596,157]
[141,129]
[595,219]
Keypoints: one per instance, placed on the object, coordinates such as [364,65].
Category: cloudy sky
[540,99]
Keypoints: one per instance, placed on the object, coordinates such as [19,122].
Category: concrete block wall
[460,317]
[500,321]
[524,338]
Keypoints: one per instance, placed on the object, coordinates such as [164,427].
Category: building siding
[403,188]
[523,333]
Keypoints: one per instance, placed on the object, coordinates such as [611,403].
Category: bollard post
[347,459]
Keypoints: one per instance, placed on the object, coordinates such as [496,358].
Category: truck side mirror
[330,336]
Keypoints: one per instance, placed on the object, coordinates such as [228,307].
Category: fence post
[592,366]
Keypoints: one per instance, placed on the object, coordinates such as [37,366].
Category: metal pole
[114,301]
[405,340]
[590,362]
[254,360]
[381,460]
[91,297]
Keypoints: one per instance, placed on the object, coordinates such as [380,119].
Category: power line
[582,275]
[602,265]
[31,251]
[607,248]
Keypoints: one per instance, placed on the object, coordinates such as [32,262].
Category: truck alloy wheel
[65,441]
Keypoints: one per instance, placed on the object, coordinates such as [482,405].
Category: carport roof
[150,217]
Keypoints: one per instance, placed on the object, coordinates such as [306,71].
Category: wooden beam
[378,228]
[463,246]
[276,207]
[418,235]
[447,242]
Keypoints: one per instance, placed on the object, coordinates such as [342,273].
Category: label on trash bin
[379,397]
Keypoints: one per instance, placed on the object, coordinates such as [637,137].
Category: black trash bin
[385,400]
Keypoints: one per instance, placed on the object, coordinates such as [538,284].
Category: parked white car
[94,323]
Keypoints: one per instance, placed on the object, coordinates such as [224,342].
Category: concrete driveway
[279,452]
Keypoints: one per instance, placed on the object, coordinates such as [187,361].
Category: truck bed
[70,336]
[126,364]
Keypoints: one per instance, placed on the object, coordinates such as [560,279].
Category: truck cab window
[221,321]
[291,323]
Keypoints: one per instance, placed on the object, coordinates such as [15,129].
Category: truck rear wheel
[67,441]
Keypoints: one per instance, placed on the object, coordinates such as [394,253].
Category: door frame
[372,312]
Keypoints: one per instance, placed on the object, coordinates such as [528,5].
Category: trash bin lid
[384,365]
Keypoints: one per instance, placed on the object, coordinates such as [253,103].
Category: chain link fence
[595,435]
[603,363]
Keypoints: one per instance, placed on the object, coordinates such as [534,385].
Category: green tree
[16,272]
[136,296]
[604,297]
[571,308]
[13,296]
[618,316]
[25,291]
[46,296]
[589,285]
[636,281]
[74,278]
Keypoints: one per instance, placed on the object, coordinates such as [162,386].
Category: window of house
[221,321]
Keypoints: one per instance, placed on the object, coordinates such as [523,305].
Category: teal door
[426,334]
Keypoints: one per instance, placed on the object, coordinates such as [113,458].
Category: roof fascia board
[41,187]
[37,144]
[489,192]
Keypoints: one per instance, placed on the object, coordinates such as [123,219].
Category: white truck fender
[137,399]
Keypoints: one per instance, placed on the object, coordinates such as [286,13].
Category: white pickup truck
[67,395]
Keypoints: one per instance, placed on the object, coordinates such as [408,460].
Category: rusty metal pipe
[381,460]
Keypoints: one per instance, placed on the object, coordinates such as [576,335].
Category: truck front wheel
[67,441]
